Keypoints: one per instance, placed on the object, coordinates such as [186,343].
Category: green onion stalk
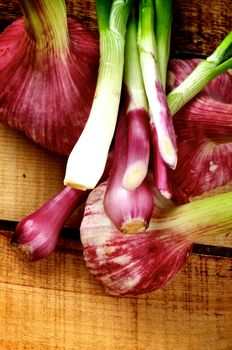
[163,24]
[137,116]
[218,62]
[87,160]
[46,23]
[162,27]
[160,116]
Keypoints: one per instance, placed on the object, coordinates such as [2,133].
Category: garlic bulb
[48,72]
[204,136]
[128,264]
[132,264]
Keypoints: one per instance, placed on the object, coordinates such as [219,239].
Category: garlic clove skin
[128,264]
[45,93]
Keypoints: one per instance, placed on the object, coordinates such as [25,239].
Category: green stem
[132,76]
[206,70]
[87,160]
[160,114]
[206,217]
[146,35]
[103,9]
[46,23]
[163,22]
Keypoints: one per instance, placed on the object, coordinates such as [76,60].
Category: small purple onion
[36,235]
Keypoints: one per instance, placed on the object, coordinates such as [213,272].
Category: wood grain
[198,26]
[55,304]
[29,176]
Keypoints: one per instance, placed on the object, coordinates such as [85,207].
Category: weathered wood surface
[198,25]
[56,304]
[29,175]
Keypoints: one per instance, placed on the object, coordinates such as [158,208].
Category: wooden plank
[30,175]
[56,304]
[198,26]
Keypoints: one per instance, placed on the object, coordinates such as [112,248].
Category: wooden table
[55,303]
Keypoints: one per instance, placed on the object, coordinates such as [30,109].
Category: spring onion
[160,114]
[130,211]
[137,117]
[87,160]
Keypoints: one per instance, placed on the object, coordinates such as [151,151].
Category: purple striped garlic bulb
[141,262]
[48,73]
[204,135]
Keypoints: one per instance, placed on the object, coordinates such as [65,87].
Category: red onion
[48,72]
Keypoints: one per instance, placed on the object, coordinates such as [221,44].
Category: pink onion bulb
[36,235]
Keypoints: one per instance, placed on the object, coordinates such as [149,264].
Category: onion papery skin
[45,93]
[204,136]
[129,264]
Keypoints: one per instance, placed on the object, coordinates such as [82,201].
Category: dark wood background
[198,25]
